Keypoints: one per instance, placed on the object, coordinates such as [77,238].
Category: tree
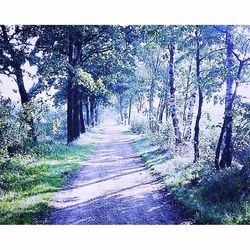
[224,159]
[77,45]
[15,50]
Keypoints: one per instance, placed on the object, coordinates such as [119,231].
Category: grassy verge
[29,183]
[212,198]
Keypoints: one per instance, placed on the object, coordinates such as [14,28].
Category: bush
[13,128]
[139,127]
[163,137]
[53,126]
[228,185]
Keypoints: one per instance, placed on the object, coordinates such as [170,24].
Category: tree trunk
[186,95]
[226,131]
[82,123]
[159,107]
[96,114]
[199,113]
[151,102]
[25,101]
[76,113]
[121,107]
[172,96]
[188,119]
[187,135]
[70,132]
[92,109]
[197,127]
[87,111]
[164,104]
[129,110]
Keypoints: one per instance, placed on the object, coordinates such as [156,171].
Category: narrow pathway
[114,187]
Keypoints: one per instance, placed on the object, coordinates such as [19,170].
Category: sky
[7,85]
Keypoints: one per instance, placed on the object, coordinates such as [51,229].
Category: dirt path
[114,187]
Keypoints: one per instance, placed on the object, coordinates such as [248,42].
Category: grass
[212,200]
[31,182]
[127,132]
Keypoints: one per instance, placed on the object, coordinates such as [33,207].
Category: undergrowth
[27,183]
[211,197]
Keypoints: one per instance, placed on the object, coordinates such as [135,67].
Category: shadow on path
[114,187]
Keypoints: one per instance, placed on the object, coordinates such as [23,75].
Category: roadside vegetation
[211,197]
[29,182]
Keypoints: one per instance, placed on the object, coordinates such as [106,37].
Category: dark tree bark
[172,96]
[70,131]
[199,113]
[82,123]
[87,111]
[25,101]
[184,118]
[96,114]
[159,106]
[76,113]
[187,135]
[92,110]
[197,127]
[20,83]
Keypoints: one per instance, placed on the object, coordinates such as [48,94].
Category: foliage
[13,129]
[139,127]
[210,197]
[163,137]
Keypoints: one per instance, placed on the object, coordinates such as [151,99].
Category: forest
[179,93]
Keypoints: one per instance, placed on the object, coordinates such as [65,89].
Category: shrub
[163,137]
[13,128]
[227,185]
[139,127]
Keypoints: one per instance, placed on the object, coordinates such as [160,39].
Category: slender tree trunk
[96,114]
[87,111]
[188,118]
[82,123]
[121,107]
[199,113]
[161,112]
[159,107]
[172,96]
[151,102]
[226,131]
[184,118]
[187,135]
[76,113]
[167,111]
[197,127]
[70,132]
[164,103]
[92,110]
[129,110]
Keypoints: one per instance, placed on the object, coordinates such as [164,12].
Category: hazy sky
[7,85]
